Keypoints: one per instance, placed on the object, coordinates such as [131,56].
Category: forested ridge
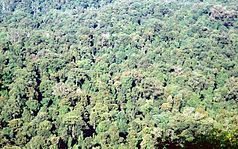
[120,74]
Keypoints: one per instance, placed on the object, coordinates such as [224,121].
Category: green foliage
[118,74]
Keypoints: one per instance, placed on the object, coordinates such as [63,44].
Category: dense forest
[119,74]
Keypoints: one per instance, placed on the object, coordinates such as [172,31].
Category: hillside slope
[118,74]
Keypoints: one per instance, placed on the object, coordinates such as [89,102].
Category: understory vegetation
[120,74]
